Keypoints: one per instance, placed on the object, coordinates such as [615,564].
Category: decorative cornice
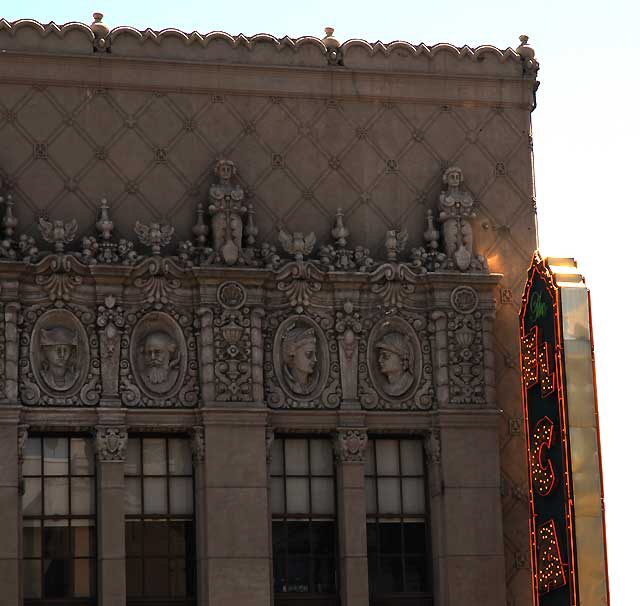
[324,46]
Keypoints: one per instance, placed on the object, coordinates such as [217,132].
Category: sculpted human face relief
[300,358]
[395,359]
[58,346]
[158,354]
[454,178]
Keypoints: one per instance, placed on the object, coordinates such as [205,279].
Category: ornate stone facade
[241,259]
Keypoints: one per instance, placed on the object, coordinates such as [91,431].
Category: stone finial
[99,29]
[334,56]
[339,232]
[251,229]
[329,41]
[200,229]
[524,50]
[9,222]
[100,33]
[104,224]
[528,56]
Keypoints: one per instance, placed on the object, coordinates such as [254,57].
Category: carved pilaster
[110,320]
[23,434]
[489,359]
[348,327]
[440,369]
[269,437]
[111,443]
[11,350]
[197,444]
[433,454]
[257,353]
[350,445]
[205,353]
[432,447]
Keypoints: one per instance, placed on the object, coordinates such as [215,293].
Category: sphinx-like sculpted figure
[396,361]
[226,205]
[161,361]
[299,352]
[456,212]
[59,367]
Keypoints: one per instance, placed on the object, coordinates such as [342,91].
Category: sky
[585,134]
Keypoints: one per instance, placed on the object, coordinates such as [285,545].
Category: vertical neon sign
[568,548]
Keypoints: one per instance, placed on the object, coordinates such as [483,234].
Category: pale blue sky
[586,136]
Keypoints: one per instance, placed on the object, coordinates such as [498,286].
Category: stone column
[350,445]
[111,444]
[237,523]
[10,506]
[466,509]
[198,450]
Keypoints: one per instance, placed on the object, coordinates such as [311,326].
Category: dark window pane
[179,538]
[31,578]
[373,573]
[414,538]
[372,538]
[298,535]
[324,576]
[390,577]
[57,578]
[299,574]
[279,538]
[156,577]
[133,537]
[134,577]
[322,538]
[279,578]
[177,577]
[390,537]
[156,539]
[415,574]
[31,541]
[56,542]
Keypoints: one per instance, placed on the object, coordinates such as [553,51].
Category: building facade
[259,332]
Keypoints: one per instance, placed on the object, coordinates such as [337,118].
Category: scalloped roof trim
[198,39]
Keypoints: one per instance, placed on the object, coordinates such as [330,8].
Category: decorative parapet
[77,37]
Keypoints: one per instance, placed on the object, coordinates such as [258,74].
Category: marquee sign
[567,534]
